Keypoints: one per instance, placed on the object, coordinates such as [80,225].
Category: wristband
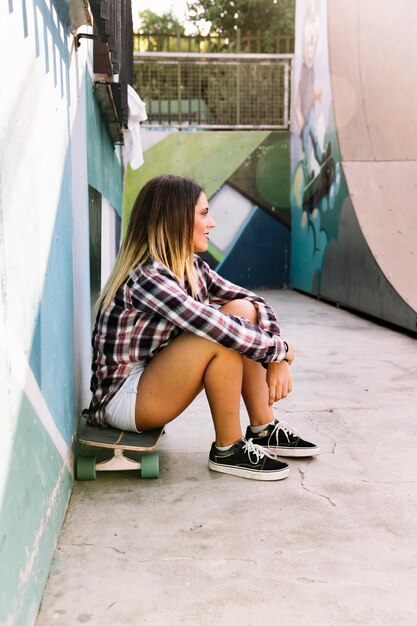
[286,350]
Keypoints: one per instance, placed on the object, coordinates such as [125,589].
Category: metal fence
[259,43]
[219,91]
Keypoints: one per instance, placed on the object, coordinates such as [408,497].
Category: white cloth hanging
[131,134]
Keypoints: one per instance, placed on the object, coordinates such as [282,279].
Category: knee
[220,353]
[241,308]
[212,348]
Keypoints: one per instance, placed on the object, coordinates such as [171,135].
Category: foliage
[160,31]
[166,23]
[250,16]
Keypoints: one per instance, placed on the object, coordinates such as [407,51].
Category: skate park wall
[354,241]
[246,177]
[45,306]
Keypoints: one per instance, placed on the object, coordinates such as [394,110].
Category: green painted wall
[36,491]
[209,157]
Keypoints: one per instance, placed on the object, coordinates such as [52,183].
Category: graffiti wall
[246,177]
[353,195]
[318,188]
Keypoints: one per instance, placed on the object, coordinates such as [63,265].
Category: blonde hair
[161,228]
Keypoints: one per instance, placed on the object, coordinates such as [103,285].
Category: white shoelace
[286,429]
[258,451]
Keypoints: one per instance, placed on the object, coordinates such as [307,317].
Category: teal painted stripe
[54,325]
[103,160]
[37,486]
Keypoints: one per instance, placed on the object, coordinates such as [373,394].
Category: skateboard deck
[119,441]
[320,185]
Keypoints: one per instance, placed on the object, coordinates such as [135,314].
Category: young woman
[168,325]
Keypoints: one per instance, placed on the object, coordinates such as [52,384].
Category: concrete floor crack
[317,427]
[321,495]
[93,545]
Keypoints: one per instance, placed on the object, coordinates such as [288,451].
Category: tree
[159,30]
[267,17]
[166,23]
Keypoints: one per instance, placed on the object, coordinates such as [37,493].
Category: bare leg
[255,393]
[174,377]
[254,387]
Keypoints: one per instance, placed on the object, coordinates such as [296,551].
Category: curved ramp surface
[372,63]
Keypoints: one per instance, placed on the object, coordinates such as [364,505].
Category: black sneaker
[282,440]
[248,460]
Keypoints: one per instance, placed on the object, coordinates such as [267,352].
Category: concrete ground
[333,544]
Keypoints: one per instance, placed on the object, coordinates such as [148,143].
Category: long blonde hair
[161,228]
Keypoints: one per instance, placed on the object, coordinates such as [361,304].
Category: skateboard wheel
[149,466]
[86,468]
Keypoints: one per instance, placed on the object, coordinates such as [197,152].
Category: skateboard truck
[87,466]
[118,462]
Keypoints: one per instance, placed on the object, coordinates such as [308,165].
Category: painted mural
[318,189]
[332,253]
[246,178]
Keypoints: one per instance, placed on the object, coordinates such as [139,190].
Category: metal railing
[279,43]
[219,91]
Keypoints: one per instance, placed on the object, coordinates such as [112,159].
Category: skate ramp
[372,61]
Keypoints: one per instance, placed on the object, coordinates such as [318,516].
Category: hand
[279,381]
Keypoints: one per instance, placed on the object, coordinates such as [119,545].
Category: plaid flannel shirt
[152,307]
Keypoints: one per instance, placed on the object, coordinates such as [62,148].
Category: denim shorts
[120,411]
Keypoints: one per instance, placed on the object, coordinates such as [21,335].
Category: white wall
[45,299]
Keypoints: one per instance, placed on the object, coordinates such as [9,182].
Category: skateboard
[119,441]
[320,185]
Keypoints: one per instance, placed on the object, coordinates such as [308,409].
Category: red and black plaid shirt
[152,308]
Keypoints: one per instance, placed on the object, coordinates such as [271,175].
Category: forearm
[158,294]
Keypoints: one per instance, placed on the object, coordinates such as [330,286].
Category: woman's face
[203,223]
